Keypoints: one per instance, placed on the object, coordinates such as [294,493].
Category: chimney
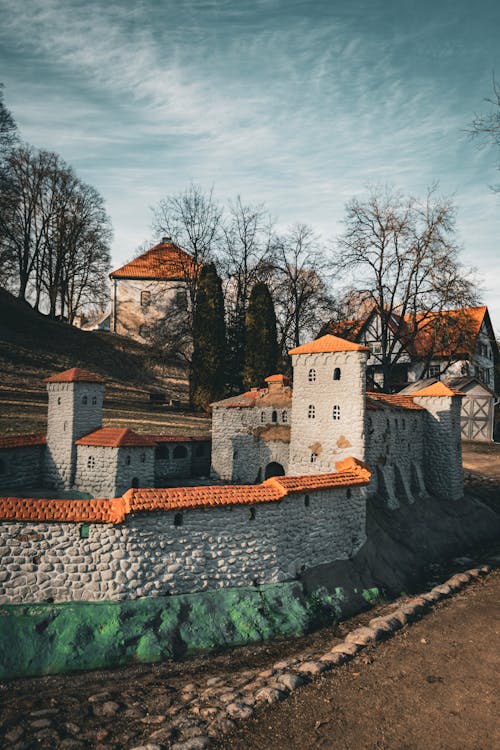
[166,240]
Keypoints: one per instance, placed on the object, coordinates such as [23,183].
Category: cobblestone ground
[191,705]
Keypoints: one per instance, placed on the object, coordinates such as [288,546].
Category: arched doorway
[274,469]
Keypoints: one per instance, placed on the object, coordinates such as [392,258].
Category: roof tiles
[75,375]
[162,262]
[22,441]
[115,437]
[328,343]
[438,389]
[391,399]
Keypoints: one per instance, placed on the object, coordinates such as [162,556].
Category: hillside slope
[33,347]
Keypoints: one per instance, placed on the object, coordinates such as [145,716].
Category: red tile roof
[115,437]
[250,398]
[22,441]
[328,343]
[163,262]
[391,399]
[278,379]
[351,473]
[438,389]
[75,375]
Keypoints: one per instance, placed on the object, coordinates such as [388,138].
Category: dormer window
[312,375]
[311,411]
[336,373]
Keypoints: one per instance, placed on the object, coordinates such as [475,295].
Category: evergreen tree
[209,336]
[261,350]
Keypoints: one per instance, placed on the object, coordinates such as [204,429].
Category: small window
[128,460]
[178,519]
[143,458]
[180,451]
[251,514]
[94,400]
[348,493]
[262,416]
[84,531]
[59,401]
[336,373]
[3,467]
[65,426]
[336,412]
[162,452]
[274,416]
[85,400]
[434,371]
[314,458]
[200,451]
[307,501]
[91,462]
[311,411]
[312,375]
[145,299]
[235,455]
[284,417]
[181,300]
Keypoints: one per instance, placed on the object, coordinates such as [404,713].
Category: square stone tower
[328,411]
[75,409]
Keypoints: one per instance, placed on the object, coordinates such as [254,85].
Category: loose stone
[313,667]
[363,636]
[194,743]
[270,695]
[239,711]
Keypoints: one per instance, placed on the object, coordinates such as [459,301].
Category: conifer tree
[261,350]
[209,337]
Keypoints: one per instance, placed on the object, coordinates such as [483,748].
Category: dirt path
[433,685]
[481,458]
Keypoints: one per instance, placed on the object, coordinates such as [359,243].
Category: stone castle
[322,451]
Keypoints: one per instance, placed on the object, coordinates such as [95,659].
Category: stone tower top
[328,344]
[75,375]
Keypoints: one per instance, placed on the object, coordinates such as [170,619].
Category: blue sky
[298,104]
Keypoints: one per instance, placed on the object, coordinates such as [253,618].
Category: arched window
[85,400]
[91,462]
[162,452]
[94,400]
[336,373]
[235,454]
[314,458]
[251,513]
[311,411]
[284,417]
[180,451]
[312,375]
[274,416]
[336,412]
[348,493]
[178,519]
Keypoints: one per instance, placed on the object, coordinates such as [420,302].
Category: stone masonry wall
[155,554]
[395,454]
[21,467]
[96,470]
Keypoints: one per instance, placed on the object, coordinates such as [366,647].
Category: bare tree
[9,136]
[300,289]
[486,127]
[404,257]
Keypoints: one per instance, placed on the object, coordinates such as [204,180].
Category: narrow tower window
[284,416]
[314,457]
[311,411]
[91,462]
[94,400]
[262,416]
[274,416]
[312,375]
[85,400]
[336,412]
[336,373]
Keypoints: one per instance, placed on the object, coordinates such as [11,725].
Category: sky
[300,104]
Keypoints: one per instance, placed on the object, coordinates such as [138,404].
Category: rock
[14,734]
[266,673]
[153,719]
[109,708]
[207,712]
[347,649]
[335,660]
[98,697]
[313,667]
[255,685]
[270,695]
[228,697]
[146,747]
[363,636]
[458,581]
[280,665]
[431,597]
[214,681]
[194,743]
[485,569]
[41,723]
[221,726]
[161,736]
[290,681]
[73,728]
[443,590]
[239,711]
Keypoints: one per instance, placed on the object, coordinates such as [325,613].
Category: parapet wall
[234,536]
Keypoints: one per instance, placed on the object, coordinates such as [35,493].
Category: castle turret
[443,442]
[328,412]
[75,409]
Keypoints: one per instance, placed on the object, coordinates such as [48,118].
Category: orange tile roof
[243,400]
[438,389]
[163,262]
[328,343]
[22,441]
[278,379]
[115,437]
[392,399]
[75,375]
[351,473]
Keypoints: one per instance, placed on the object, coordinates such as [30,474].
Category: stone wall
[21,467]
[328,416]
[395,454]
[161,553]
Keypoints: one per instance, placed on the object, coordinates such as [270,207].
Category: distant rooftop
[75,375]
[163,262]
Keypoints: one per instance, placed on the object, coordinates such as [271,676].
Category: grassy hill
[32,347]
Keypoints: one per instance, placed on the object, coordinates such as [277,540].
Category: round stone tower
[75,409]
[328,408]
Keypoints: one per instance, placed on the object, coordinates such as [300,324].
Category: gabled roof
[351,473]
[456,383]
[438,389]
[328,343]
[22,441]
[115,437]
[163,262]
[75,375]
[278,379]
